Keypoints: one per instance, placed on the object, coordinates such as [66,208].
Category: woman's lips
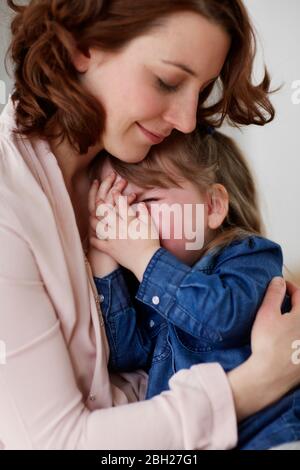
[154,138]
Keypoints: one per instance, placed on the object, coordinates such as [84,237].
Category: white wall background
[5,82]
[274,150]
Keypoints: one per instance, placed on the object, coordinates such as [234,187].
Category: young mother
[118,75]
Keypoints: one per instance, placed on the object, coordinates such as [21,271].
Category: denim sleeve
[216,307]
[129,350]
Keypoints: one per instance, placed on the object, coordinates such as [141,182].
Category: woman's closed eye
[167,87]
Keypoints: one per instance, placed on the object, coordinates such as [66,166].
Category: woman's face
[152,86]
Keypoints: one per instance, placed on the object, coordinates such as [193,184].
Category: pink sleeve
[41,406]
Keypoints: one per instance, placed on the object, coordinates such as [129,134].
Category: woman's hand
[102,263]
[272,369]
[126,233]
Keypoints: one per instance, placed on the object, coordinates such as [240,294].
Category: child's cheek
[183,234]
[170,222]
[176,247]
[156,219]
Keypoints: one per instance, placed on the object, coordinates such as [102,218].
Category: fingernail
[278,281]
[95,182]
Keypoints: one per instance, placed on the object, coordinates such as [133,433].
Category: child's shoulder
[252,242]
[252,245]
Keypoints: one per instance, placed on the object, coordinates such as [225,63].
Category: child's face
[179,213]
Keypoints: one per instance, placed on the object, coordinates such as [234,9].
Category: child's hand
[102,263]
[130,238]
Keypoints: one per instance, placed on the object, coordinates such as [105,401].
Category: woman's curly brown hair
[48,93]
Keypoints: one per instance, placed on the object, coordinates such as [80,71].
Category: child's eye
[149,200]
[166,86]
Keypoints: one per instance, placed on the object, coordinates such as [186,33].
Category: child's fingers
[103,230]
[93,223]
[103,209]
[116,194]
[92,196]
[98,244]
[97,224]
[131,198]
[123,207]
[119,186]
[105,186]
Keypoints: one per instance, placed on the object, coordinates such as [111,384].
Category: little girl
[167,306]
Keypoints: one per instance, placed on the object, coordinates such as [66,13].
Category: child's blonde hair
[203,158]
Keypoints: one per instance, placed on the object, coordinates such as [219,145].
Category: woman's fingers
[294,292]
[273,337]
[274,297]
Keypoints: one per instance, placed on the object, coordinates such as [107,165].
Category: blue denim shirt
[181,315]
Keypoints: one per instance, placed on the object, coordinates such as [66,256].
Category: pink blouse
[55,389]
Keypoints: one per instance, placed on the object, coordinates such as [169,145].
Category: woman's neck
[77,174]
[73,165]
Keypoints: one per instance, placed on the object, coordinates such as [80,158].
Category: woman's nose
[183,116]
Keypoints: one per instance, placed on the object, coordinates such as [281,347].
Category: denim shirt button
[101,298]
[151,324]
[155,300]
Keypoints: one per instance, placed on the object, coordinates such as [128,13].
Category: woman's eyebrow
[186,69]
[183,67]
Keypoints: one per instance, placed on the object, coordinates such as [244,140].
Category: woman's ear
[81,61]
[218,206]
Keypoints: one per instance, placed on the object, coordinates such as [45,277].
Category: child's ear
[218,206]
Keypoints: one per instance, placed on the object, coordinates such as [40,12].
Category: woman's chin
[131,156]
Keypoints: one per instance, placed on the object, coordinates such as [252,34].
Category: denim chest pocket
[151,323]
[162,348]
[189,342]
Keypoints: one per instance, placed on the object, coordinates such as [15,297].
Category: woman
[119,75]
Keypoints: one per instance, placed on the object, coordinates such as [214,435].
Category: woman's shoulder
[20,194]
[9,141]
[7,119]
[12,144]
